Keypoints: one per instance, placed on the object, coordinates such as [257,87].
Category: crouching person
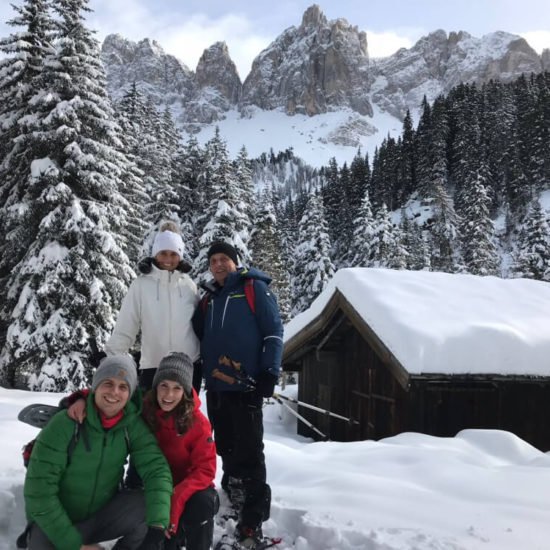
[73,499]
[171,409]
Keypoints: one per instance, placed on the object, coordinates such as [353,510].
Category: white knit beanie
[168,240]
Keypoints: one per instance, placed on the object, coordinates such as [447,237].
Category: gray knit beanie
[176,367]
[116,366]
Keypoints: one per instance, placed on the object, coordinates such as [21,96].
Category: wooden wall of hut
[347,377]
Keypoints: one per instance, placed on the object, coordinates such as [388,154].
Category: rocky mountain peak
[318,67]
[217,70]
[147,64]
[313,17]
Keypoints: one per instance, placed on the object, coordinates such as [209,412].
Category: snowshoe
[37,414]
[230,543]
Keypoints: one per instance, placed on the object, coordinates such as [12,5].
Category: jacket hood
[145,266]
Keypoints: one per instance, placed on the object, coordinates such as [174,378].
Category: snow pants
[196,526]
[237,421]
[123,518]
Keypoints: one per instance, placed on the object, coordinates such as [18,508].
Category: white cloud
[538,40]
[383,44]
[189,40]
[185,36]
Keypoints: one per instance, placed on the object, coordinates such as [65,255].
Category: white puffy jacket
[160,304]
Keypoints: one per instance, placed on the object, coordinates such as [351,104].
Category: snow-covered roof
[447,323]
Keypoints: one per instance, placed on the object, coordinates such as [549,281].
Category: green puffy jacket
[60,492]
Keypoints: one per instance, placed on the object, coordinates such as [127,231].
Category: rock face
[158,74]
[438,62]
[318,67]
[218,87]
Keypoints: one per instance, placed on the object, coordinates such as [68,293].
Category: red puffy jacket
[191,456]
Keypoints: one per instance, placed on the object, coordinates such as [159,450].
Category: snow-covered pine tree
[245,194]
[476,228]
[342,226]
[133,190]
[444,233]
[387,248]
[69,284]
[266,251]
[359,254]
[414,243]
[313,268]
[223,219]
[532,259]
[169,198]
[408,156]
[193,180]
[332,199]
[20,69]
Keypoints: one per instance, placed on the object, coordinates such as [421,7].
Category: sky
[479,490]
[186,28]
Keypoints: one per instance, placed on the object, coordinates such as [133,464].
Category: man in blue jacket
[240,329]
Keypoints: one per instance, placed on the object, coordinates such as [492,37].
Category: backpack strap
[79,430]
[250,294]
[204,303]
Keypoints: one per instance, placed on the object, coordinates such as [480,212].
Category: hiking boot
[249,537]
[235,491]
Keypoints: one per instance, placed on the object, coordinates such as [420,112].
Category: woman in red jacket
[171,409]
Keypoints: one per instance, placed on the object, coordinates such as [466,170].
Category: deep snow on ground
[483,489]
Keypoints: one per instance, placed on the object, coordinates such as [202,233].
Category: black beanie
[221,247]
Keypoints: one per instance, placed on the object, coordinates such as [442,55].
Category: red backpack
[249,293]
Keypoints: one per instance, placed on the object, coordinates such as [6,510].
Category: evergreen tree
[387,248]
[414,244]
[533,256]
[69,283]
[332,198]
[477,229]
[363,232]
[224,218]
[408,157]
[266,251]
[20,71]
[312,269]
[444,233]
[193,180]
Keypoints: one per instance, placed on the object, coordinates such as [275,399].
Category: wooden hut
[353,362]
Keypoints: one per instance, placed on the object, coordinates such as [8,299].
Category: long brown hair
[182,412]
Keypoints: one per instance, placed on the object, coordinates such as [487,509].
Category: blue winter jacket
[228,327]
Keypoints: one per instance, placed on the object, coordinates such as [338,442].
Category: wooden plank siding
[341,369]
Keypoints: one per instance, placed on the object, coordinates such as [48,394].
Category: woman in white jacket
[160,304]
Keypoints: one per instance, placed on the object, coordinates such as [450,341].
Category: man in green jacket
[73,499]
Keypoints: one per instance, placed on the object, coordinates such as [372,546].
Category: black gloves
[154,539]
[265,385]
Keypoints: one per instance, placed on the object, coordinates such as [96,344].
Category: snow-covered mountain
[321,71]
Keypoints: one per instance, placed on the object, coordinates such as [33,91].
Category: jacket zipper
[92,499]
